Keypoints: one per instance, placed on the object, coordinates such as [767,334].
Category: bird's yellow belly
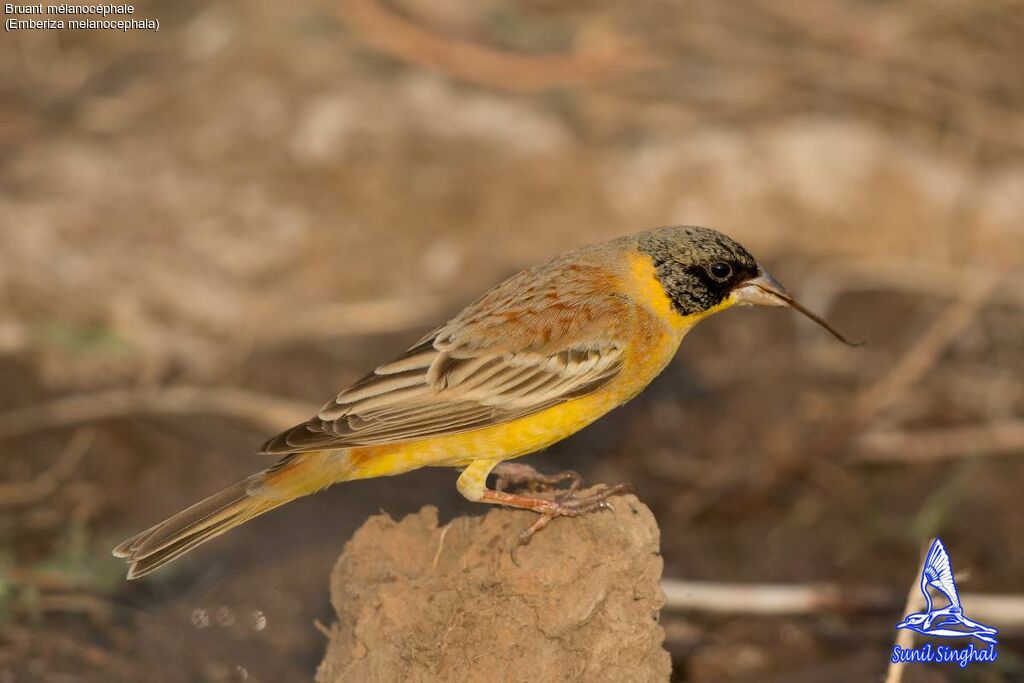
[499,442]
[524,435]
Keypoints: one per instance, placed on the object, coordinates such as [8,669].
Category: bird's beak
[764,290]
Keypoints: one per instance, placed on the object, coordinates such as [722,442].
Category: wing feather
[473,393]
[543,337]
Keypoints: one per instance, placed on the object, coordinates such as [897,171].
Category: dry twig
[272,411]
[1005,437]
[925,352]
[770,599]
[47,482]
[45,580]
[819,462]
[900,379]
[401,39]
[1004,611]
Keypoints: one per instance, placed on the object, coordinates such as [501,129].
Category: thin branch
[271,411]
[1005,437]
[1004,611]
[395,36]
[45,580]
[925,352]
[891,388]
[770,599]
[47,482]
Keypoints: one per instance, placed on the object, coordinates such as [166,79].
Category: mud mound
[419,602]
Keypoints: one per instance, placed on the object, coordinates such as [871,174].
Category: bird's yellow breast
[651,339]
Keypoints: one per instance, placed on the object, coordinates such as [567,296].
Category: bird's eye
[720,271]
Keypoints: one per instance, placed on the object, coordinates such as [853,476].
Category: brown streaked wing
[545,336]
[467,393]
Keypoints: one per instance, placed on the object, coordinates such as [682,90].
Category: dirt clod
[416,601]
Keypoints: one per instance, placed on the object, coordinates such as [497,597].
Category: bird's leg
[514,474]
[570,503]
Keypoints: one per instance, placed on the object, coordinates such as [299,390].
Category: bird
[533,360]
[937,573]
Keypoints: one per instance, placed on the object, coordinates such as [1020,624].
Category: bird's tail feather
[221,512]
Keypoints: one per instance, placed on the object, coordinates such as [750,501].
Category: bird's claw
[569,504]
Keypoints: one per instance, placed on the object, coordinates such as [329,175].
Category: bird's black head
[697,267]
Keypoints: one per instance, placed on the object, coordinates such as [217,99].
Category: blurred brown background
[263,199]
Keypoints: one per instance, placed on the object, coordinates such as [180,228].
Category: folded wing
[492,364]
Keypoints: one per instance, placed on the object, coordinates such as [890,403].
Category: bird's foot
[569,503]
[517,475]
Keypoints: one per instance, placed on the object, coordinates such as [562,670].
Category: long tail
[294,476]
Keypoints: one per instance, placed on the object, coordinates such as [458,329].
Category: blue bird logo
[948,621]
